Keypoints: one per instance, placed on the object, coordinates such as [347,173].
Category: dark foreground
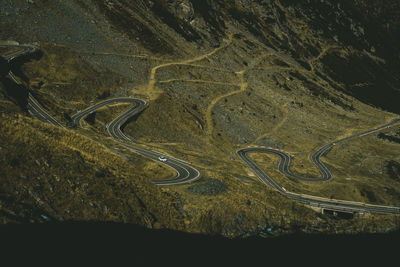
[134,241]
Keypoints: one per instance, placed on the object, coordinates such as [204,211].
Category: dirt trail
[152,80]
[322,54]
[277,127]
[142,56]
[151,91]
[197,81]
[204,67]
[242,88]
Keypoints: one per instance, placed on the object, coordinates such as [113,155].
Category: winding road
[326,203]
[285,159]
[33,107]
[187,174]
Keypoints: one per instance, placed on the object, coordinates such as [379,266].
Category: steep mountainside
[218,76]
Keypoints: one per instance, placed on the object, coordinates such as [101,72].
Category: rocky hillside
[218,75]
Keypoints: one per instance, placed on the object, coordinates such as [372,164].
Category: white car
[162,158]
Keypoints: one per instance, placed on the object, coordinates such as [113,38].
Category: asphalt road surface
[33,107]
[185,172]
[36,110]
[284,165]
[22,49]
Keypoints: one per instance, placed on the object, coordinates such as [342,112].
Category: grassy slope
[282,105]
[71,177]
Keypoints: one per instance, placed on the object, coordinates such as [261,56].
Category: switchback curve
[284,165]
[185,172]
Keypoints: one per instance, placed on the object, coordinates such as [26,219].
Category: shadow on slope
[118,233]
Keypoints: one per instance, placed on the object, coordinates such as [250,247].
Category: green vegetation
[70,177]
[218,77]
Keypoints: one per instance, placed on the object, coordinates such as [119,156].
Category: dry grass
[78,179]
[202,110]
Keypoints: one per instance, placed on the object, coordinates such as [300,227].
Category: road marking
[283,167]
[114,130]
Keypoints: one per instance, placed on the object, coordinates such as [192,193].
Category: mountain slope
[218,75]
